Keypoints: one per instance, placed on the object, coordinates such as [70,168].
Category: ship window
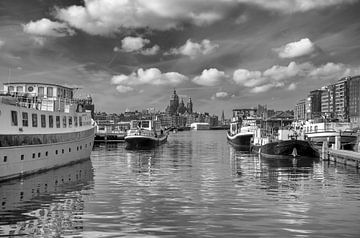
[50,91]
[22,157]
[316,128]
[33,155]
[56,151]
[34,120]
[51,121]
[57,121]
[11,89]
[14,120]
[70,121]
[19,89]
[75,121]
[25,119]
[62,151]
[69,149]
[80,121]
[64,121]
[5,158]
[43,121]
[39,154]
[41,91]
[46,153]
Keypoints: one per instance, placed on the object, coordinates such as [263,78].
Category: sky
[224,54]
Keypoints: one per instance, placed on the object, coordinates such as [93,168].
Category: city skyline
[224,54]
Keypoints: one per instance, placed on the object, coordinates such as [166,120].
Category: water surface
[195,185]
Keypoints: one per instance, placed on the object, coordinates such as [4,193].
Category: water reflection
[45,204]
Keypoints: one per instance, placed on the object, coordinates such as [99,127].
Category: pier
[351,158]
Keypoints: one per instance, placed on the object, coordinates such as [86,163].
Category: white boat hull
[42,157]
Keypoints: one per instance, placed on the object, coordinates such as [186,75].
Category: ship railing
[30,100]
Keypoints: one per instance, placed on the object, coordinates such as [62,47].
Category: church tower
[189,106]
[174,103]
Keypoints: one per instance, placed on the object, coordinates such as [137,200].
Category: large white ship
[42,126]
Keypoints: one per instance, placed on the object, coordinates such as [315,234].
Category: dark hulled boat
[293,148]
[145,134]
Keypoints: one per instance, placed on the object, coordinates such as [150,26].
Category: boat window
[145,124]
[70,121]
[49,92]
[57,121]
[64,121]
[34,120]
[19,89]
[11,89]
[316,128]
[80,121]
[43,121]
[75,121]
[51,121]
[14,120]
[25,119]
[41,91]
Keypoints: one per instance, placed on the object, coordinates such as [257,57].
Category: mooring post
[324,151]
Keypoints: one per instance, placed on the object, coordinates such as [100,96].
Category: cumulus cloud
[221,96]
[137,45]
[194,49]
[296,49]
[288,76]
[152,76]
[124,89]
[106,17]
[46,27]
[209,77]
[130,44]
[291,6]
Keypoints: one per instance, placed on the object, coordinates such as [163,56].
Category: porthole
[30,89]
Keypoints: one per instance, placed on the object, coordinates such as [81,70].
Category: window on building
[80,121]
[51,121]
[57,121]
[50,91]
[25,119]
[43,121]
[14,119]
[41,91]
[70,121]
[34,120]
[64,122]
[75,121]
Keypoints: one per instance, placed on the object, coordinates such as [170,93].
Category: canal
[195,185]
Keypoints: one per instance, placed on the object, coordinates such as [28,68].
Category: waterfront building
[245,112]
[354,100]
[300,110]
[313,104]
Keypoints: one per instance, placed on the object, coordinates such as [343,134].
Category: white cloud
[328,70]
[291,6]
[296,49]
[194,49]
[262,88]
[221,96]
[137,45]
[292,86]
[46,27]
[130,44]
[105,17]
[209,77]
[151,51]
[124,89]
[152,76]
[278,72]
[247,78]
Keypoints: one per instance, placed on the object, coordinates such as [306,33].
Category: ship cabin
[36,108]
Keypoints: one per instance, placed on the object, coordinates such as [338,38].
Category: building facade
[354,100]
[300,110]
